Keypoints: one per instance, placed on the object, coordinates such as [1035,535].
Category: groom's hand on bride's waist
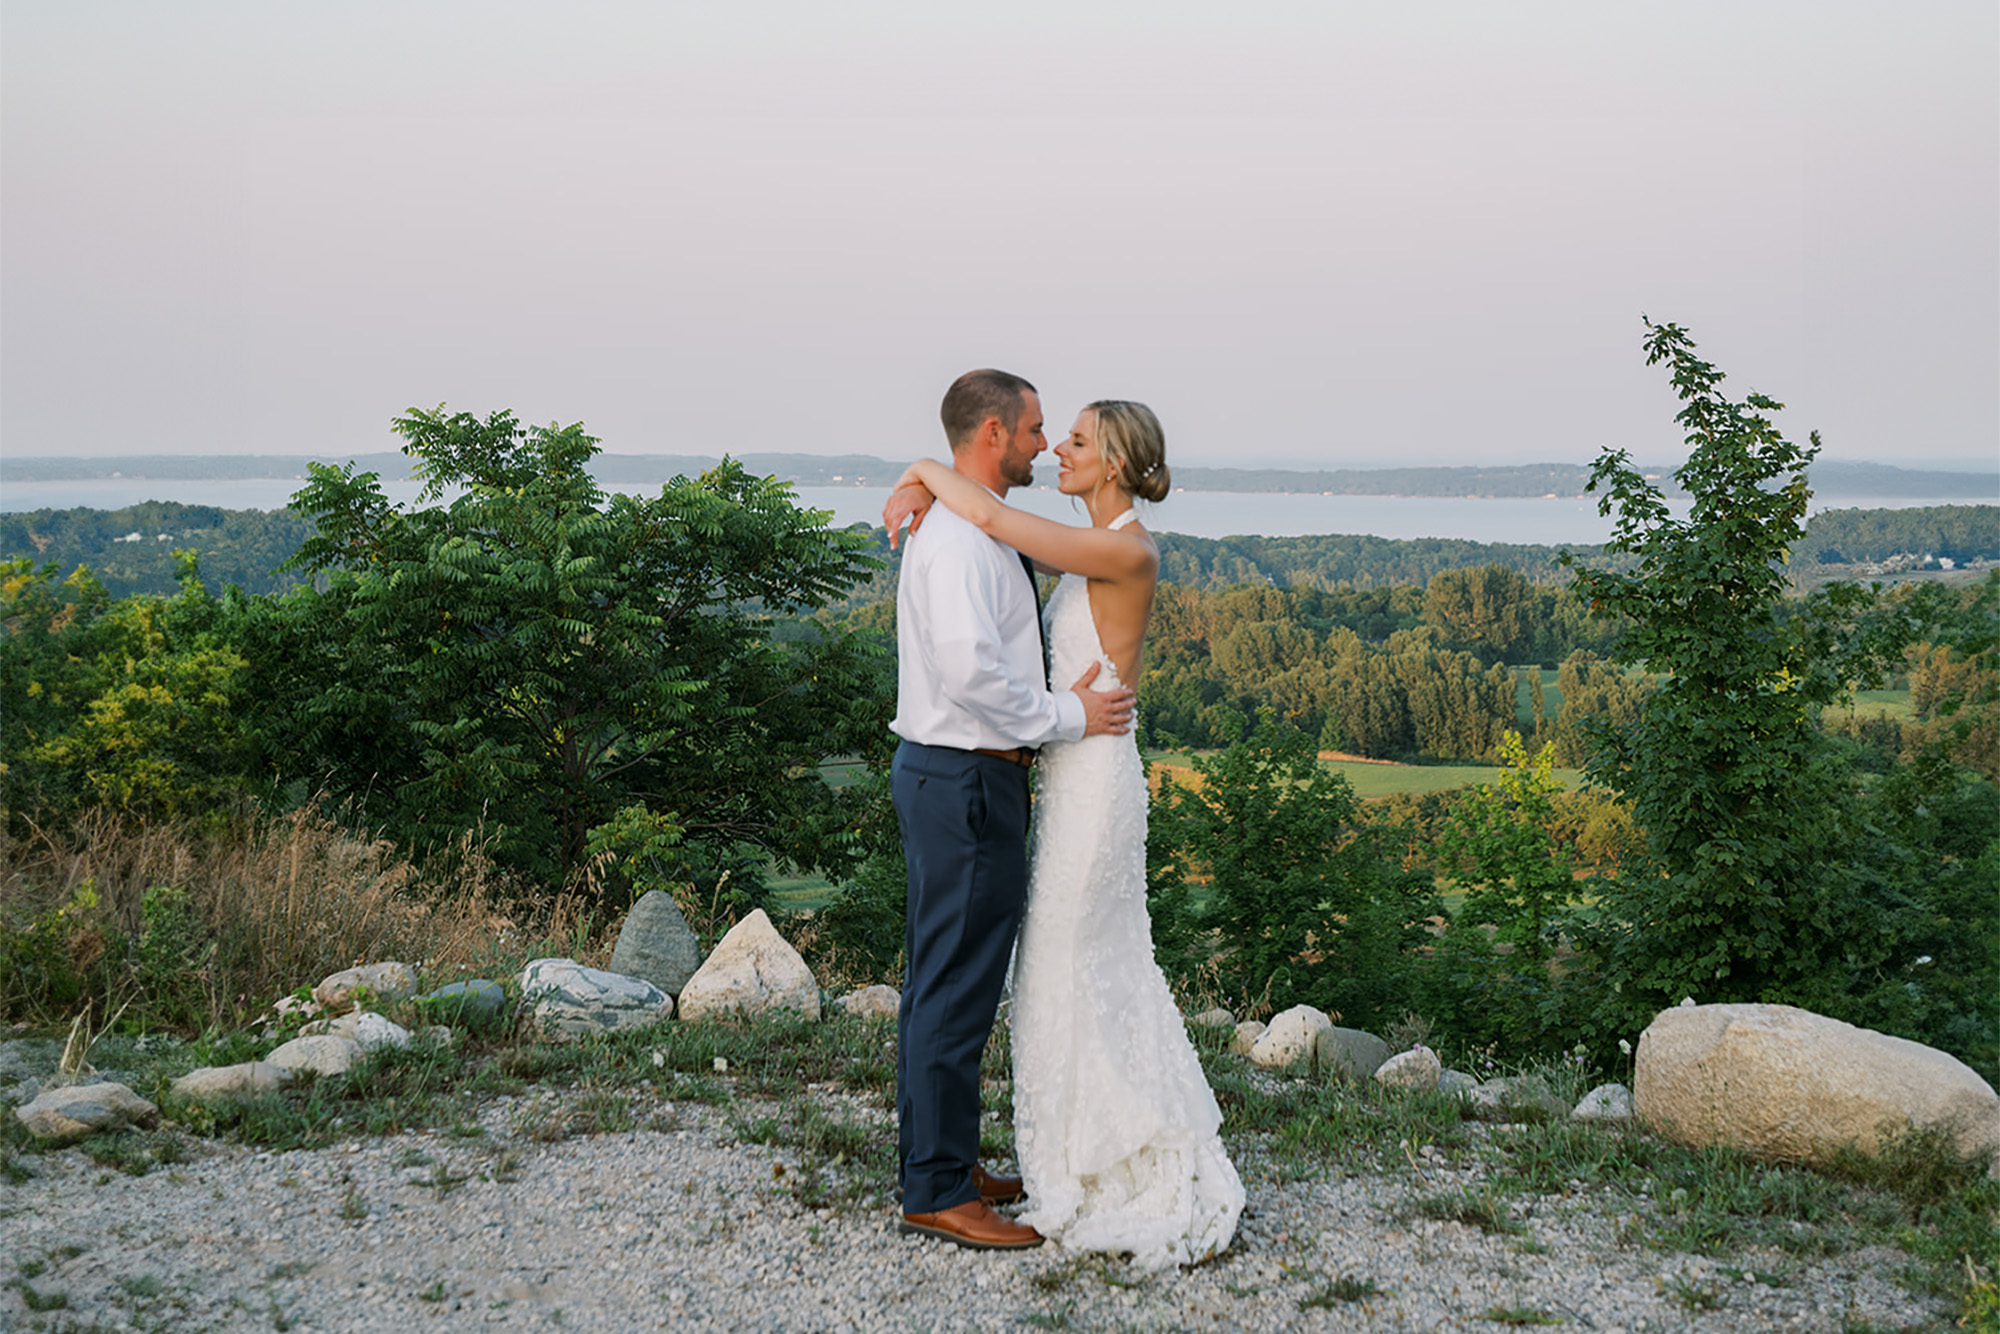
[1107,713]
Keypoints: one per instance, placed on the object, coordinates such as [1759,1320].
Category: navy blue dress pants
[964,820]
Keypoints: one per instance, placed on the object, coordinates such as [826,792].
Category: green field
[1881,704]
[1385,780]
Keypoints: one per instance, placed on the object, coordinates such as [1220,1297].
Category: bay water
[1546,521]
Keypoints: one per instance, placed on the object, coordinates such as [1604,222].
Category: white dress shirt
[969,668]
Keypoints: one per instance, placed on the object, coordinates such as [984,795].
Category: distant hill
[1516,480]
[131,549]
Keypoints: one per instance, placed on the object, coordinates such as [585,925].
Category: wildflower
[1624,1047]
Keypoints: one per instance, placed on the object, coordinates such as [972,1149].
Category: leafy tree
[131,705]
[536,656]
[1591,688]
[1770,873]
[1302,904]
[1488,610]
[1501,847]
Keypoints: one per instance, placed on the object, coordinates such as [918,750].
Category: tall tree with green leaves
[1302,904]
[535,656]
[1744,895]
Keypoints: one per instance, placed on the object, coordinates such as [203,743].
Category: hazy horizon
[1328,235]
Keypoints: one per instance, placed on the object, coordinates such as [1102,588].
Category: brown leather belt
[1020,755]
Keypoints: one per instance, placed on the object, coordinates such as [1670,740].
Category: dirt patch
[1346,758]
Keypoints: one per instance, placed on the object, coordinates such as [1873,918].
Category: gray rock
[753,971]
[384,982]
[321,1053]
[1247,1034]
[654,943]
[876,1002]
[1216,1018]
[1457,1081]
[64,1114]
[226,1083]
[475,1003]
[1351,1053]
[1516,1098]
[1606,1102]
[1418,1068]
[565,1000]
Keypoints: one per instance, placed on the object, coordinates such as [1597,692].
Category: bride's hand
[910,500]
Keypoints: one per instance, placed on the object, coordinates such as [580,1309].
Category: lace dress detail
[1113,1119]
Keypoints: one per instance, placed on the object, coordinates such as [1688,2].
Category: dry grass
[279,902]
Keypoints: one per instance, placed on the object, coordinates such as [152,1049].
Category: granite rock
[384,982]
[752,971]
[77,1110]
[565,1000]
[877,1002]
[655,943]
[226,1083]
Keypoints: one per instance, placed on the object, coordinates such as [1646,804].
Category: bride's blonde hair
[1130,436]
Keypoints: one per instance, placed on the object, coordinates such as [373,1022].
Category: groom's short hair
[977,395]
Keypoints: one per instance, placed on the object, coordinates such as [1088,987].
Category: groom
[971,708]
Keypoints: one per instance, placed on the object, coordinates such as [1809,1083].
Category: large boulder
[752,972]
[1350,1053]
[228,1083]
[1291,1039]
[64,1114]
[1247,1034]
[384,983]
[566,1000]
[654,943]
[1790,1084]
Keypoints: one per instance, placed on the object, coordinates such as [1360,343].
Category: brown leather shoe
[974,1226]
[997,1189]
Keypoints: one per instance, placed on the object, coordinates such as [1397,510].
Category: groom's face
[1017,463]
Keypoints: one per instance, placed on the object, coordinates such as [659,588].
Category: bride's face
[1083,466]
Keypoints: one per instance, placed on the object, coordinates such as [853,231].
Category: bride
[1114,1123]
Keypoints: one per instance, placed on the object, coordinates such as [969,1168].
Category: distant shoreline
[1516,481]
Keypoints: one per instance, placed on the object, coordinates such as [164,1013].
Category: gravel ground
[683,1228]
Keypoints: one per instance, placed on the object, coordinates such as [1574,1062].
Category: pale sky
[1326,234]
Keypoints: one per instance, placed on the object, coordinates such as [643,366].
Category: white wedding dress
[1114,1122]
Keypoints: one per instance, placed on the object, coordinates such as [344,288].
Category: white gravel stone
[683,1228]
